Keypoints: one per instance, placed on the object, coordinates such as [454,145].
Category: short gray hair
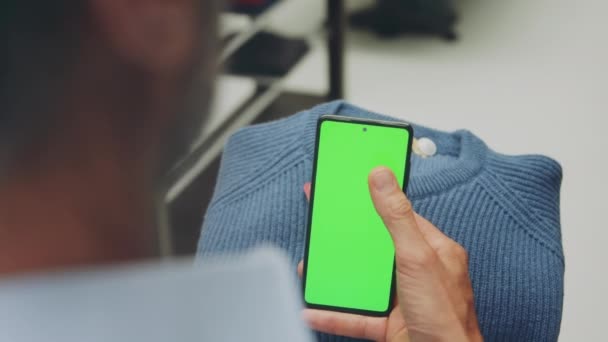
[40,42]
[39,39]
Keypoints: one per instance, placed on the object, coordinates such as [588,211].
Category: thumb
[396,211]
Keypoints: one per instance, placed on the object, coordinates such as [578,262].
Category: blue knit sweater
[503,209]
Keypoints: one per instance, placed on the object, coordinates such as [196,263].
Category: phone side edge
[310,207]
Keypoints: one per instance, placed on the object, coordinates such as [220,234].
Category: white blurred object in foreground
[247,298]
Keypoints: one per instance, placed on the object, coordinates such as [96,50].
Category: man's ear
[156,35]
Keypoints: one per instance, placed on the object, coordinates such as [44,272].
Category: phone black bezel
[347,119]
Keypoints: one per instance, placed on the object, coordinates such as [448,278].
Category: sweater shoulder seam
[236,193]
[525,219]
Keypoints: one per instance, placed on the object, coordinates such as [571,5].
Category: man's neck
[77,209]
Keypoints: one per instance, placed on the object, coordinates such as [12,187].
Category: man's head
[96,99]
[140,69]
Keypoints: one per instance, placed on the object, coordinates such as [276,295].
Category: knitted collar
[468,152]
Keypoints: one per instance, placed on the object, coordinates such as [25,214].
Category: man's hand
[435,296]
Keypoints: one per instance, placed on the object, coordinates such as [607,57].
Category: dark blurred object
[390,18]
[267,54]
[252,7]
[188,190]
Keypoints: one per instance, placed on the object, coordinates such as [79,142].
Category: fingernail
[382,179]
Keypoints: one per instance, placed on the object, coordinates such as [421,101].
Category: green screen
[351,255]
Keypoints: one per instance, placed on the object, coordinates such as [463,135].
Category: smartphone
[349,261]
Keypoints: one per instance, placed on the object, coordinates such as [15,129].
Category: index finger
[343,324]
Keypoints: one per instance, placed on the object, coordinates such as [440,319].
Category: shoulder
[529,186]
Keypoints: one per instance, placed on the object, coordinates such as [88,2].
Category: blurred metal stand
[189,185]
[335,42]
